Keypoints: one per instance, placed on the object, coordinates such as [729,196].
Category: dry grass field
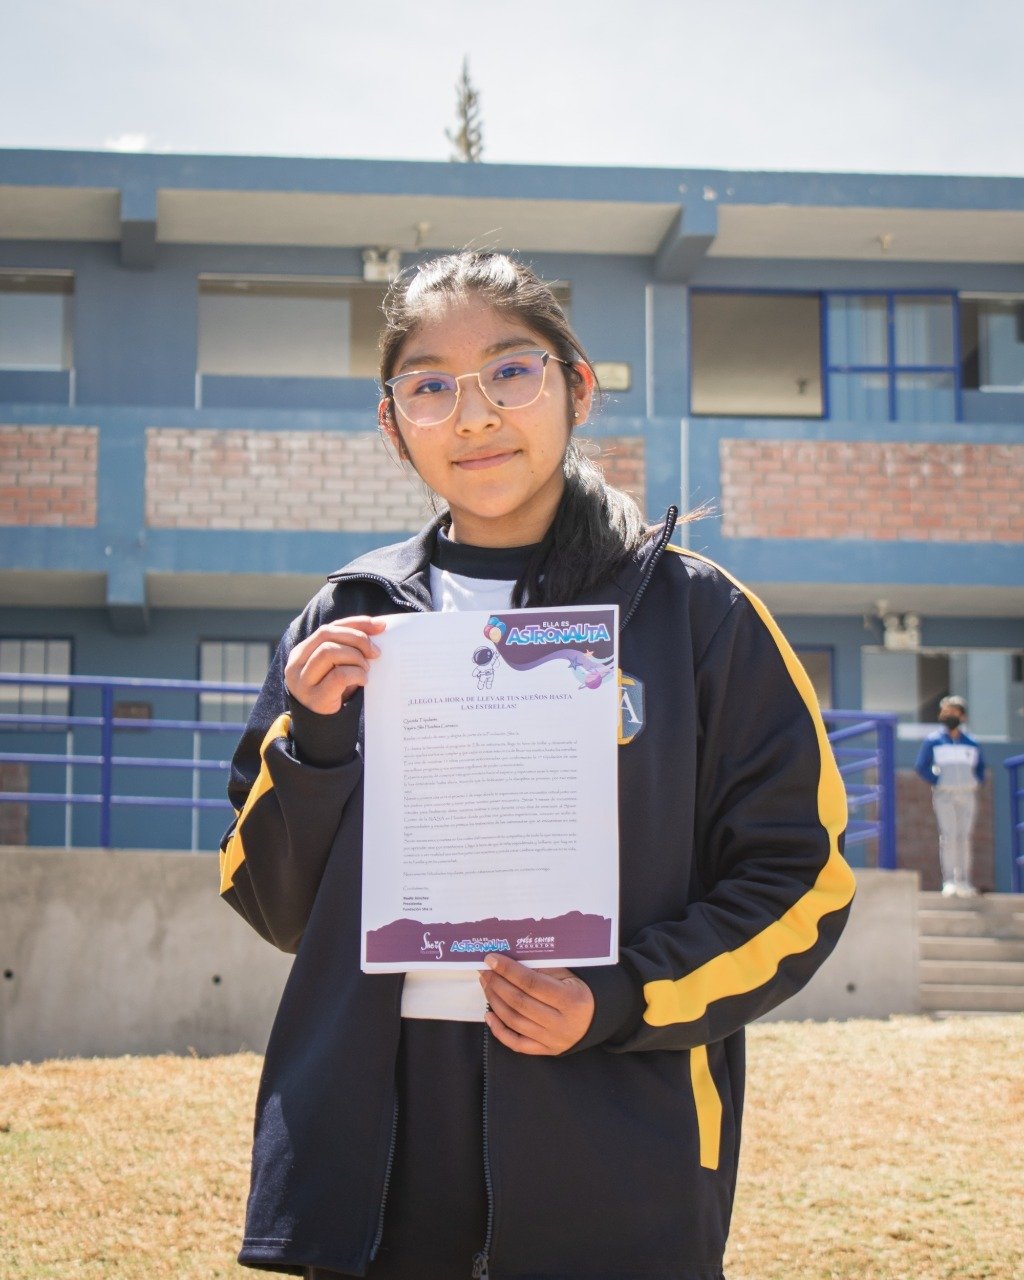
[872,1151]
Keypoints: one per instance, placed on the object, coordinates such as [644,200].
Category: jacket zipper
[392,591]
[670,523]
[481,1260]
[387,1182]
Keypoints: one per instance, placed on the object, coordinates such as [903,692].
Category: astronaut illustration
[485,660]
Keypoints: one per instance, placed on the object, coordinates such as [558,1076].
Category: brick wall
[917,836]
[13,813]
[294,480]
[277,480]
[49,475]
[887,491]
[621,458]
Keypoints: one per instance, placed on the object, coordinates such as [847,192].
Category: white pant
[954,812]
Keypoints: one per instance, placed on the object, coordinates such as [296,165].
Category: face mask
[951,722]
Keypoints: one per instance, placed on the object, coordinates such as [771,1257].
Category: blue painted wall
[135,333]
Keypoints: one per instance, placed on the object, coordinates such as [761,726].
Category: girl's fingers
[514,1041]
[516,1020]
[535,1010]
[556,988]
[500,991]
[330,657]
[333,660]
[356,633]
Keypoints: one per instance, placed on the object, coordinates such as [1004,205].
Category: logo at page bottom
[535,944]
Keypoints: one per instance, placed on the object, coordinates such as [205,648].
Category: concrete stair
[971,954]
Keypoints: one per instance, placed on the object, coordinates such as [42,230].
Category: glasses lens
[510,382]
[513,382]
[426,398]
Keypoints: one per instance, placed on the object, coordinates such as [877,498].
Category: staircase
[972,954]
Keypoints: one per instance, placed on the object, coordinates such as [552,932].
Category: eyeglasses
[427,398]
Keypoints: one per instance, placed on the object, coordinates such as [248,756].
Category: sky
[914,86]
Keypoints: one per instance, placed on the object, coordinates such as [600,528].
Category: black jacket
[618,1158]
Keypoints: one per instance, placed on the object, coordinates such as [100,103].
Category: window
[756,354]
[992,343]
[35,320]
[912,685]
[24,656]
[291,328]
[887,357]
[890,357]
[818,665]
[231,662]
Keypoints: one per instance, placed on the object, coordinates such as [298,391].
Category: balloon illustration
[495,630]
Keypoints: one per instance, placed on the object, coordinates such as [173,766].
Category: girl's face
[499,470]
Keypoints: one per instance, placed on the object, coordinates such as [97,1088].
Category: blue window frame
[892,355]
[884,356]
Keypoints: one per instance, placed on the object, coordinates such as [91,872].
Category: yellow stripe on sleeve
[709,1107]
[754,963]
[233,854]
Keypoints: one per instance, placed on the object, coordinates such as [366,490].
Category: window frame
[917,730]
[1013,298]
[820,297]
[20,691]
[278,283]
[891,369]
[247,699]
[67,294]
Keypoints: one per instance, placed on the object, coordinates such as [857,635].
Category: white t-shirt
[456,584]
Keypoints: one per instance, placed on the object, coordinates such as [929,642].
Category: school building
[833,363]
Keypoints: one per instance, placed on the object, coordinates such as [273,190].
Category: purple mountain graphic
[570,936]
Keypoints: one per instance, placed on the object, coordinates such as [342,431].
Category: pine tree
[467,138]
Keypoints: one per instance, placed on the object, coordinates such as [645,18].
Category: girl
[522,1122]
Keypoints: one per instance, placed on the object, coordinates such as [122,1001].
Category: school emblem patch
[631,707]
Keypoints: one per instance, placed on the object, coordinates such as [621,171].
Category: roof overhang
[677,217]
[869,234]
[858,599]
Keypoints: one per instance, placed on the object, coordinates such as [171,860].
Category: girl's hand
[536,1011]
[323,670]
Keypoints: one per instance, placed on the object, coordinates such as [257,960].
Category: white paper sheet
[491,799]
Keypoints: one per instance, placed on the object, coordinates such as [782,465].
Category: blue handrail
[863,743]
[1014,765]
[106,761]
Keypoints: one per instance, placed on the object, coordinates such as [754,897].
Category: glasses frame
[546,356]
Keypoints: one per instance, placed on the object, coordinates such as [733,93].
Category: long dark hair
[596,528]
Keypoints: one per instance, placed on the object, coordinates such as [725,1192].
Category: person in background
[951,762]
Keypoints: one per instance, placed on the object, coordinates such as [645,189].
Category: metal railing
[106,760]
[864,747]
[1015,766]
